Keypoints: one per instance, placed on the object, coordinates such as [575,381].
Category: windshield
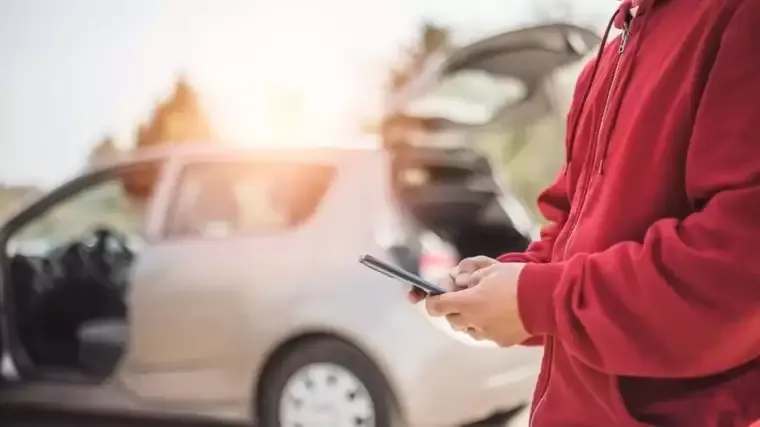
[469,97]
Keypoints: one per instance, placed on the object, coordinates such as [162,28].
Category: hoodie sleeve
[553,204]
[695,282]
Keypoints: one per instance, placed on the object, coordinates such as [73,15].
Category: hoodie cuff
[535,297]
[513,257]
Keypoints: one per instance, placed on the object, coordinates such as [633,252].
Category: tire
[322,353]
[2,355]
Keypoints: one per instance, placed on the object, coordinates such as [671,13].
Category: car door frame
[21,361]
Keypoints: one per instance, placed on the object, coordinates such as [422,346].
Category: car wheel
[326,382]
[2,361]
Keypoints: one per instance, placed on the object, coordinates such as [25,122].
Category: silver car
[244,300]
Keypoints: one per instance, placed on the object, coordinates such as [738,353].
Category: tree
[431,39]
[179,118]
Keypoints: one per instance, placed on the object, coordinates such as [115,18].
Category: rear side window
[219,199]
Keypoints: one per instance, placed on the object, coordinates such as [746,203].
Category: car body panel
[199,339]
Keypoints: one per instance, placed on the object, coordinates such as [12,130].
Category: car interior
[430,126]
[71,312]
[452,192]
[68,264]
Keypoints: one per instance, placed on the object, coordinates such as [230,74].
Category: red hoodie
[646,287]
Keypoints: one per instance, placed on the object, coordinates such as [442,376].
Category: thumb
[476,277]
[448,303]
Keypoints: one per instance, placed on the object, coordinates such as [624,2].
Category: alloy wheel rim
[325,395]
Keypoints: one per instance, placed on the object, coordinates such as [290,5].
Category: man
[645,288]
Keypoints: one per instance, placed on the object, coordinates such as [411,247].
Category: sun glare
[297,79]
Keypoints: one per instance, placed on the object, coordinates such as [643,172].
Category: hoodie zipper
[592,167]
[587,184]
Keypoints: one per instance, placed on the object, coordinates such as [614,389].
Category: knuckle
[467,264]
[446,281]
[462,279]
[489,269]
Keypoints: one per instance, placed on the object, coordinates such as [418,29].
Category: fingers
[466,274]
[472,264]
[450,303]
[477,276]
[474,278]
[463,281]
[447,282]
[438,306]
[416,295]
[459,324]
[476,334]
[463,273]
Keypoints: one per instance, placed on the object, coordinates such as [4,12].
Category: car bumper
[473,384]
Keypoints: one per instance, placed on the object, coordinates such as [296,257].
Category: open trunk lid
[499,79]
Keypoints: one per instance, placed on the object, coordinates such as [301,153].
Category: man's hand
[487,311]
[460,277]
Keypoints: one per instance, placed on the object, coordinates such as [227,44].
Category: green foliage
[531,156]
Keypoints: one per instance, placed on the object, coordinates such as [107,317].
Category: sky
[74,71]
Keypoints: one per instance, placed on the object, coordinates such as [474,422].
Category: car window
[220,199]
[113,203]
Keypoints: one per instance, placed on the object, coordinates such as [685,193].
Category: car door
[181,307]
[191,294]
[92,200]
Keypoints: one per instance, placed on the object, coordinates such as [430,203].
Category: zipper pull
[624,38]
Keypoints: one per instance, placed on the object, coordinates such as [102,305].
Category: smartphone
[401,275]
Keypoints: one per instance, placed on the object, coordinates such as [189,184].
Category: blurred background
[85,84]
[81,78]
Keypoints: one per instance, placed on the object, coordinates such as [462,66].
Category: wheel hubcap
[326,395]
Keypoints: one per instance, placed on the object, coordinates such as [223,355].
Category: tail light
[416,250]
[425,254]
[437,257]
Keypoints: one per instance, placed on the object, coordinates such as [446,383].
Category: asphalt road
[26,418]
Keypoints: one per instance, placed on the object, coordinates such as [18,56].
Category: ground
[29,419]
[521,420]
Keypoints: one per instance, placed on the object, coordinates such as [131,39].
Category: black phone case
[394,272]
